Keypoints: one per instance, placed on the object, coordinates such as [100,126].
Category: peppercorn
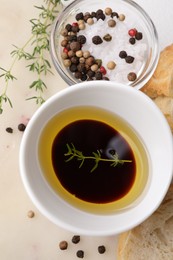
[98,75]
[98,62]
[131,76]
[9,130]
[86,17]
[75,60]
[64,43]
[81,39]
[132,32]
[90,21]
[99,11]
[75,239]
[105,78]
[82,60]
[84,77]
[78,75]
[111,65]
[107,37]
[21,127]
[80,254]
[63,245]
[64,32]
[68,27]
[111,23]
[101,249]
[72,38]
[71,54]
[100,16]
[121,17]
[114,14]
[67,63]
[79,53]
[108,11]
[30,214]
[138,36]
[132,40]
[97,40]
[86,54]
[90,73]
[81,67]
[123,54]
[75,46]
[82,26]
[73,67]
[103,70]
[79,16]
[93,14]
[90,61]
[75,28]
[94,67]
[129,59]
[64,55]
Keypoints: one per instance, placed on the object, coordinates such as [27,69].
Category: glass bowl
[122,42]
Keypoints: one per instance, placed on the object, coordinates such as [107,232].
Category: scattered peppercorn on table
[25,233]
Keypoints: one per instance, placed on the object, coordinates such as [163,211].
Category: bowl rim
[36,192]
[149,71]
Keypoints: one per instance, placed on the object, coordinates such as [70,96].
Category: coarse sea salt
[109,50]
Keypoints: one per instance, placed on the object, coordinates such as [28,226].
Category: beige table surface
[23,238]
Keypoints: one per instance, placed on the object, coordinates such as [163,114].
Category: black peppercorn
[97,40]
[78,75]
[79,16]
[81,39]
[75,239]
[93,14]
[81,67]
[90,61]
[98,75]
[21,127]
[73,67]
[114,14]
[99,11]
[123,54]
[84,77]
[75,60]
[91,74]
[72,38]
[105,78]
[68,27]
[101,249]
[100,16]
[86,17]
[80,253]
[132,40]
[138,36]
[107,37]
[9,130]
[129,59]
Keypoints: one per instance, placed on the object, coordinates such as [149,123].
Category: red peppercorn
[132,32]
[65,50]
[103,70]
[74,24]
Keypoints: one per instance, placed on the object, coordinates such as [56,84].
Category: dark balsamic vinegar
[106,183]
[90,129]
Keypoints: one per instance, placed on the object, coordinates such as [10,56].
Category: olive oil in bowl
[94,160]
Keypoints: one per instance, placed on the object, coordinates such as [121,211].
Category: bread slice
[161,83]
[153,239]
[166,106]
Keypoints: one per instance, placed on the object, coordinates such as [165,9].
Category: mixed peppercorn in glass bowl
[104,40]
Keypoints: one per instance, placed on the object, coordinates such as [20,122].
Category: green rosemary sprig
[36,56]
[72,153]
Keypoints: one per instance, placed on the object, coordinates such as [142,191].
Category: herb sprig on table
[73,153]
[36,59]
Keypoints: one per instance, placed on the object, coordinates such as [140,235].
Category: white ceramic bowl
[147,121]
